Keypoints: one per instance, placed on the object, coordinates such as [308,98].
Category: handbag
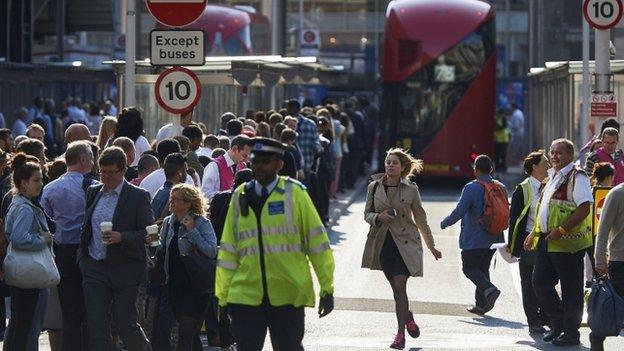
[28,269]
[605,309]
[202,271]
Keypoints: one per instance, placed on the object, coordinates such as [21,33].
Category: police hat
[261,146]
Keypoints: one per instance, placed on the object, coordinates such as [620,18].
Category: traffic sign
[310,41]
[177,48]
[602,14]
[176,13]
[603,105]
[177,90]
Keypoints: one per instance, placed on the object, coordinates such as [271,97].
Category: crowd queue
[153,237]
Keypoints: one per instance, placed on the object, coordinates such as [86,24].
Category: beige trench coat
[406,229]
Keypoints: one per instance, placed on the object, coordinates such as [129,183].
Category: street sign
[177,90]
[310,42]
[176,13]
[177,48]
[603,105]
[602,14]
[600,194]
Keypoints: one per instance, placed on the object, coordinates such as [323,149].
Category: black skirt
[392,263]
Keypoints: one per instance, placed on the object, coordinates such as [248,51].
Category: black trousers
[71,297]
[102,298]
[23,306]
[285,323]
[476,267]
[500,157]
[530,303]
[616,277]
[565,312]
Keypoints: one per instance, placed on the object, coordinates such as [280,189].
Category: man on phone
[272,233]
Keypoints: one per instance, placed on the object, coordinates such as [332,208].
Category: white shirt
[581,194]
[167,131]
[535,187]
[211,183]
[258,187]
[157,179]
[204,151]
[140,146]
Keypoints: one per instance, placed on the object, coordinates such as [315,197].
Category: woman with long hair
[130,124]
[603,174]
[107,130]
[186,232]
[26,229]
[398,221]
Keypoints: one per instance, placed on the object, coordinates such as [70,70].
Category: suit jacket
[126,261]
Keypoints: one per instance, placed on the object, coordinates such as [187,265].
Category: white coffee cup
[152,232]
[106,227]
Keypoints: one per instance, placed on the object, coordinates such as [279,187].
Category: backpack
[495,217]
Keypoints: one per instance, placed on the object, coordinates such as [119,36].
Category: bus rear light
[473,156]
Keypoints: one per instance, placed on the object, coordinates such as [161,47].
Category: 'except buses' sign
[177,48]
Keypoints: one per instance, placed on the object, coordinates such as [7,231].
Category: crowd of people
[90,184]
[549,227]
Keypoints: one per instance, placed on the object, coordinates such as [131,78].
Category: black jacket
[517,204]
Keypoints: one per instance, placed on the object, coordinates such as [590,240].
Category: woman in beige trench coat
[397,219]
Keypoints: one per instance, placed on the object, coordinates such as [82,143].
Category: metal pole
[507,37]
[586,84]
[300,29]
[129,82]
[60,28]
[603,68]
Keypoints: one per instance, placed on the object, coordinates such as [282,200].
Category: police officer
[271,233]
[561,234]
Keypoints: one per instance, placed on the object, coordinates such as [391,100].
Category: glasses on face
[109,173]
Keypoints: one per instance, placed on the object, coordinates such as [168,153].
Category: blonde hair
[107,130]
[192,195]
[412,165]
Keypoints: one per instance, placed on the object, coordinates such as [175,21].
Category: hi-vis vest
[560,208]
[277,247]
[527,193]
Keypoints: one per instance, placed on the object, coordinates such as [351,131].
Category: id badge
[276,208]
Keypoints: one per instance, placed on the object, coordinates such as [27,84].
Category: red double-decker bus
[439,71]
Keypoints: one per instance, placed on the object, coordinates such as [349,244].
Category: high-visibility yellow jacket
[277,247]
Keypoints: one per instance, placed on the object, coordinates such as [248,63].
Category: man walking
[271,235]
[63,200]
[562,233]
[474,240]
[609,152]
[113,261]
[219,175]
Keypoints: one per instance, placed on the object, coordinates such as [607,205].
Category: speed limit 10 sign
[177,90]
[602,14]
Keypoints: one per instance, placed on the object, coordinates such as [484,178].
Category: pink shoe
[399,342]
[412,327]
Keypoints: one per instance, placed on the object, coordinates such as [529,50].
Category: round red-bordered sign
[176,13]
[603,14]
[177,90]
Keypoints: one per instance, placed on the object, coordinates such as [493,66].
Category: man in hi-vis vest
[561,236]
[272,233]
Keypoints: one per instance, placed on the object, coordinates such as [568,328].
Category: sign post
[177,90]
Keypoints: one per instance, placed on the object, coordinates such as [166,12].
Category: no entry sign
[602,14]
[177,90]
[176,13]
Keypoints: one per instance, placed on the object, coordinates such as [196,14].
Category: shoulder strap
[373,194]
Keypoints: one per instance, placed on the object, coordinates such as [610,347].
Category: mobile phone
[392,212]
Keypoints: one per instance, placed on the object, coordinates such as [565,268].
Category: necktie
[265,192]
[234,168]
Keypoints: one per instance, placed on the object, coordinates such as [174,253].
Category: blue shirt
[469,209]
[24,223]
[103,212]
[161,199]
[307,141]
[63,200]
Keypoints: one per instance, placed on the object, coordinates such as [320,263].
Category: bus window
[429,96]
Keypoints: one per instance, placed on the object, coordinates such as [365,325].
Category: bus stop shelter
[232,84]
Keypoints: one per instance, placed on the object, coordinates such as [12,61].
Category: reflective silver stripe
[288,196]
[320,248]
[227,265]
[279,248]
[280,230]
[227,247]
[316,231]
[246,234]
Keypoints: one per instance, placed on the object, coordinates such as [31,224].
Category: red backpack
[495,218]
